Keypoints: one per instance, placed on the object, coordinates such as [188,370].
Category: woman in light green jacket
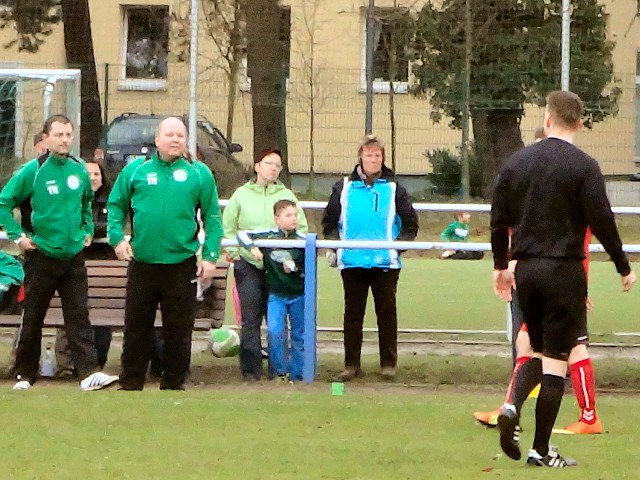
[251,208]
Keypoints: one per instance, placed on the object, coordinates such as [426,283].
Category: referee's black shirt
[548,193]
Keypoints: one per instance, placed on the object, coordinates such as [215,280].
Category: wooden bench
[107,283]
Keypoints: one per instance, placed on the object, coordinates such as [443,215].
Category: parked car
[132,135]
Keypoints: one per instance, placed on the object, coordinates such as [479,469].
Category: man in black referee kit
[548,194]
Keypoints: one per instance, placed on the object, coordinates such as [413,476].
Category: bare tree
[310,72]
[226,27]
[228,17]
[395,28]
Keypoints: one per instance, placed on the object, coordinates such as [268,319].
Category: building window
[145,47]
[389,50]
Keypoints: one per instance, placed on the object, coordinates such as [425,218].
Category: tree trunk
[265,60]
[393,74]
[231,96]
[497,136]
[78,44]
[312,127]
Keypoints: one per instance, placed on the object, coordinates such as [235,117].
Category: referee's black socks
[547,408]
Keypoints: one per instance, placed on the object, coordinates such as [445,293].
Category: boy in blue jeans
[284,269]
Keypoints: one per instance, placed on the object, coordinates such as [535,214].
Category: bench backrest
[107,285]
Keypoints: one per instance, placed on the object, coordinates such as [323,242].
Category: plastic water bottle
[48,367]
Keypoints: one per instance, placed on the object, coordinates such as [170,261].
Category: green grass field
[419,427]
[286,432]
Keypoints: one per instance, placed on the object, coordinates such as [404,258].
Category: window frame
[137,84]
[379,86]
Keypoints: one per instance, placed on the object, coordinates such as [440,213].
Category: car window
[215,137]
[204,139]
[219,139]
[133,131]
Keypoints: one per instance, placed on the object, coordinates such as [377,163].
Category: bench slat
[118,282]
[107,272]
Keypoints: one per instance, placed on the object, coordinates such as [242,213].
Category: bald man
[163,194]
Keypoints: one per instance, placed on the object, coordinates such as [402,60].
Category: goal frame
[70,78]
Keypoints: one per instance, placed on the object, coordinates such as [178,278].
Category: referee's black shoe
[508,423]
[551,459]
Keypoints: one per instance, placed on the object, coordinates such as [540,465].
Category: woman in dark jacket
[99,248]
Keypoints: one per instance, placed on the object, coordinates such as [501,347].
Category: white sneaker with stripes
[97,381]
[22,384]
[552,459]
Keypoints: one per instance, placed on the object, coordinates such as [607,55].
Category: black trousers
[383,284]
[43,276]
[174,288]
[252,290]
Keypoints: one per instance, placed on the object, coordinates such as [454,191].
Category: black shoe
[552,459]
[509,433]
[128,388]
[180,388]
[348,374]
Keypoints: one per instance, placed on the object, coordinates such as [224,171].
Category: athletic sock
[519,362]
[583,382]
[527,377]
[547,406]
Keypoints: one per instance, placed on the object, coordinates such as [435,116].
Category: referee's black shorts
[552,294]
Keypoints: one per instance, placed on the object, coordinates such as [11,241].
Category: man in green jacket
[54,193]
[163,194]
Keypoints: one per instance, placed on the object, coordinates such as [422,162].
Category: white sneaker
[97,381]
[22,385]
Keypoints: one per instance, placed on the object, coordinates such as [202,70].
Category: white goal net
[27,97]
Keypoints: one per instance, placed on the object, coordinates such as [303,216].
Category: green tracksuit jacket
[162,199]
[11,273]
[60,194]
[251,208]
[456,232]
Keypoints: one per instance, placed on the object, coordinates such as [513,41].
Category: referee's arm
[500,222]
[601,220]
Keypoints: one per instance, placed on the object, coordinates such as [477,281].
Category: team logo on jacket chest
[152,178]
[52,188]
[73,182]
[180,175]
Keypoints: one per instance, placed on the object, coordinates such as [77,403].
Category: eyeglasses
[277,166]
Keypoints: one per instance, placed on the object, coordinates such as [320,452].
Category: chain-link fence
[338,118]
